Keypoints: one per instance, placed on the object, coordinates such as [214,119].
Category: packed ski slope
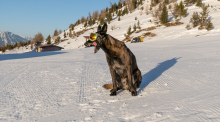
[180,83]
[180,70]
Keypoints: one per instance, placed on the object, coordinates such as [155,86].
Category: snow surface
[180,70]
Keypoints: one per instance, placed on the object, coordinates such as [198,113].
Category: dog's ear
[99,28]
[104,28]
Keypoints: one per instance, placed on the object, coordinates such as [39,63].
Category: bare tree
[89,15]
[175,9]
[156,14]
[60,31]
[95,15]
[131,7]
[83,19]
[121,1]
[103,13]
[38,38]
[32,45]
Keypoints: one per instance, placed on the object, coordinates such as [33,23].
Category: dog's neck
[113,49]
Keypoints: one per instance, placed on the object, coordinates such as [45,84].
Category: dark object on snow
[122,62]
[137,39]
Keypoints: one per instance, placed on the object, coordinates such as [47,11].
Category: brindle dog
[122,62]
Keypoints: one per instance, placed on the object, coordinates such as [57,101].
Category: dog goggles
[93,36]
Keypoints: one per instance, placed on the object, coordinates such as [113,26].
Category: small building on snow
[48,47]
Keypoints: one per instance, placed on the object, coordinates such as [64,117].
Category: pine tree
[209,25]
[129,30]
[164,15]
[109,18]
[57,40]
[3,48]
[70,34]
[19,45]
[141,2]
[85,25]
[71,26]
[119,13]
[93,21]
[126,10]
[119,19]
[90,22]
[166,1]
[123,12]
[184,13]
[195,19]
[138,25]
[119,5]
[187,2]
[55,33]
[181,6]
[64,34]
[199,3]
[134,27]
[48,40]
[204,14]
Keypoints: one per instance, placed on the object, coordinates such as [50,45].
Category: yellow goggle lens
[93,37]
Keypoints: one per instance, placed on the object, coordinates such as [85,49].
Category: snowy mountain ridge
[10,38]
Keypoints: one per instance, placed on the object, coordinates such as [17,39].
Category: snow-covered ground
[180,83]
[180,70]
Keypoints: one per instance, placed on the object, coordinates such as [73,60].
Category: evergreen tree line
[4,47]
[108,13]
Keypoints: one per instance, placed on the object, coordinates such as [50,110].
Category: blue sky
[28,17]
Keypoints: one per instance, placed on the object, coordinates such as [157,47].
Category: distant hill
[10,38]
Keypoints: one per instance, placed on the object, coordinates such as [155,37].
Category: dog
[121,61]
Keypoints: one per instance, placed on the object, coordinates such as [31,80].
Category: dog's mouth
[96,49]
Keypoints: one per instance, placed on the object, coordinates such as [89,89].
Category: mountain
[10,38]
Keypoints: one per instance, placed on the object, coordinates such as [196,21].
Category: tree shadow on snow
[156,72]
[28,55]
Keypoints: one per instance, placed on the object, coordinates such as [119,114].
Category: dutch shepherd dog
[122,62]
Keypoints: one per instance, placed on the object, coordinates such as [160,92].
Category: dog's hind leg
[132,89]
[137,78]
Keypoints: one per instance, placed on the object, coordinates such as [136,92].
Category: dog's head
[99,38]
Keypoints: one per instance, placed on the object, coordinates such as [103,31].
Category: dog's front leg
[113,74]
[130,82]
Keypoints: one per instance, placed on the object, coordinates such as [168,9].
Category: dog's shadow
[156,72]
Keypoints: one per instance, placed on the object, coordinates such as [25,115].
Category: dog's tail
[108,86]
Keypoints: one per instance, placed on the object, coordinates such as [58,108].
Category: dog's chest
[118,67]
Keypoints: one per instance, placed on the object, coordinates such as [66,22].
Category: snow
[180,70]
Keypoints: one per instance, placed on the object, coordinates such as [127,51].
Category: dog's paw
[134,93]
[113,94]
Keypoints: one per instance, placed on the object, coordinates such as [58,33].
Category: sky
[28,17]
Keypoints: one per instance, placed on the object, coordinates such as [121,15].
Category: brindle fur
[122,63]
